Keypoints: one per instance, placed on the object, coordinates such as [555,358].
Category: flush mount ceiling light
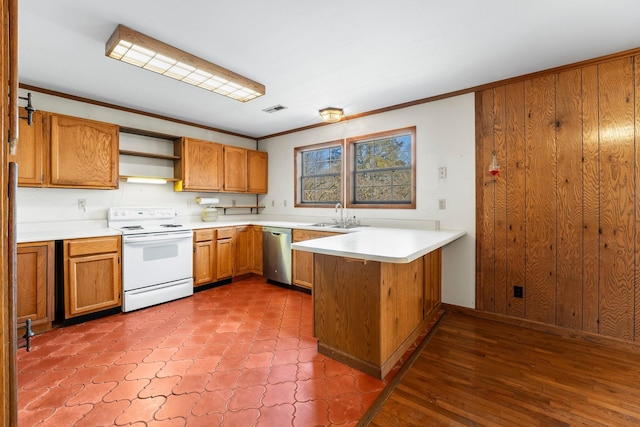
[143,51]
[331,115]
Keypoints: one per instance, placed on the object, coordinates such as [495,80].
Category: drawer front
[99,245]
[225,233]
[203,235]
[302,235]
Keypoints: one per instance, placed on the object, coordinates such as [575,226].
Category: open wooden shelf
[150,155]
[251,208]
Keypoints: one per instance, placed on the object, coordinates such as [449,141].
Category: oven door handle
[157,237]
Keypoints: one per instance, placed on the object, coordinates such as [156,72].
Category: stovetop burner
[143,220]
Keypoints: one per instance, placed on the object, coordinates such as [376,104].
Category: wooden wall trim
[568,333]
[128,110]
[478,88]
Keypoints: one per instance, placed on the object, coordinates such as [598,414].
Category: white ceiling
[359,55]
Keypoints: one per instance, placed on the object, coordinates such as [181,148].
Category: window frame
[297,158]
[349,165]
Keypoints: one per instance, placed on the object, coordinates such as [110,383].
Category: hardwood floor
[481,372]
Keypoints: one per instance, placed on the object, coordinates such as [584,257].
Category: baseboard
[544,327]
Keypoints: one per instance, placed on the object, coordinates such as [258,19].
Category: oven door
[156,258]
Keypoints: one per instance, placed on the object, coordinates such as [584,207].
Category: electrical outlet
[518,292]
[285,203]
[273,203]
[442,204]
[233,202]
[442,172]
[82,204]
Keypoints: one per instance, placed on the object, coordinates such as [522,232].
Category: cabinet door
[31,151]
[91,275]
[256,267]
[303,269]
[257,172]
[243,250]
[84,153]
[235,169]
[203,263]
[224,258]
[303,261]
[432,281]
[35,298]
[200,167]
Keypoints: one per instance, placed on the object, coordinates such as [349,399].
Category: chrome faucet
[339,206]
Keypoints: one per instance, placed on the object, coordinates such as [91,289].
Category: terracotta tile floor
[237,355]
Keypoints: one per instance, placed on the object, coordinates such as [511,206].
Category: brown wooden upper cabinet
[84,153]
[64,151]
[200,165]
[245,171]
[30,155]
[215,167]
[235,169]
[257,172]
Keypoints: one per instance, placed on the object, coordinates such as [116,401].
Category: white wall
[445,137]
[37,205]
[445,133]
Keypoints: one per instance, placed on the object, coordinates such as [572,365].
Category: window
[319,174]
[382,170]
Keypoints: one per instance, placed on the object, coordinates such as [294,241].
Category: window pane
[321,175]
[382,169]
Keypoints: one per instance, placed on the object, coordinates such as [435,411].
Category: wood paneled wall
[562,217]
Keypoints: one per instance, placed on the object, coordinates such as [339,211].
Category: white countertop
[64,233]
[392,245]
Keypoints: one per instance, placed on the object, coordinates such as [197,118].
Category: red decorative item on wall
[494,167]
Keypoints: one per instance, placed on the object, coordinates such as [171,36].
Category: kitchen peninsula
[375,292]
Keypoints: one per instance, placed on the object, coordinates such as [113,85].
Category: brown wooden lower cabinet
[242,250]
[204,256]
[224,253]
[368,313]
[303,261]
[92,272]
[256,264]
[36,285]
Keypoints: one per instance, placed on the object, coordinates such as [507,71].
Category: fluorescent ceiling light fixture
[331,115]
[135,48]
[145,180]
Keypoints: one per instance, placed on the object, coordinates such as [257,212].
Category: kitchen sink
[334,225]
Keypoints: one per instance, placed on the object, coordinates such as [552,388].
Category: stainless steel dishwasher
[276,254]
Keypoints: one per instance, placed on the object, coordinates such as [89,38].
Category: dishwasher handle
[276,231]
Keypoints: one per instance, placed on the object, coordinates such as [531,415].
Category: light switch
[442,173]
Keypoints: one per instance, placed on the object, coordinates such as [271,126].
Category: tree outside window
[319,174]
[382,169]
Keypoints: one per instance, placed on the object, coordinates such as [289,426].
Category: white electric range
[157,256]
